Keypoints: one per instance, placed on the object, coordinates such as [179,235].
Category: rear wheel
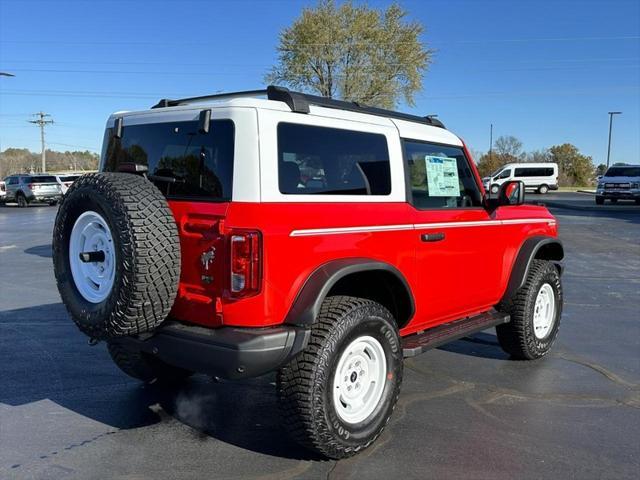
[22,200]
[535,312]
[599,200]
[143,366]
[339,393]
[613,200]
[637,201]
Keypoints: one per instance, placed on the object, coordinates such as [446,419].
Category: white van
[539,177]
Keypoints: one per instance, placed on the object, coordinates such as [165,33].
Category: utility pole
[490,144]
[611,114]
[42,122]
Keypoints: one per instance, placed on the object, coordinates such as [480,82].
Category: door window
[505,174]
[440,176]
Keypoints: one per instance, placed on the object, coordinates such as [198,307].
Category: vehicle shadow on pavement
[481,344]
[51,361]
[40,250]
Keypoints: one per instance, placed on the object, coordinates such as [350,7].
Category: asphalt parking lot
[466,410]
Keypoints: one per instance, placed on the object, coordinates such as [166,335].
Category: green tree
[575,169]
[508,146]
[353,52]
[600,169]
[506,149]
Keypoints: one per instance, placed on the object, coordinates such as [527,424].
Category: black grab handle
[432,237]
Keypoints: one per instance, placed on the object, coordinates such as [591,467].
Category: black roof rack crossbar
[303,100]
[299,103]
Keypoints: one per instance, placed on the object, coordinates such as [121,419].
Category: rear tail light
[246,263]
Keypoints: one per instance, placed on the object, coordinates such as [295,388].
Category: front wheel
[535,312]
[543,189]
[495,188]
[599,200]
[339,393]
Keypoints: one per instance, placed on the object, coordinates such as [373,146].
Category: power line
[42,122]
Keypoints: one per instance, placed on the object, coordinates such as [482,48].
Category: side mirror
[511,193]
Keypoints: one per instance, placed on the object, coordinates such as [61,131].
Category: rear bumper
[226,352]
[53,197]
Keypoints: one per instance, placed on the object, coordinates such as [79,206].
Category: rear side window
[46,179]
[331,161]
[183,162]
[534,172]
[440,176]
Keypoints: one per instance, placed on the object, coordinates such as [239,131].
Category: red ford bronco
[240,234]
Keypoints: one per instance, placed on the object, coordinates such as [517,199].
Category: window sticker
[442,176]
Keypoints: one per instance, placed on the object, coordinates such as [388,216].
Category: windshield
[182,161]
[623,172]
[496,172]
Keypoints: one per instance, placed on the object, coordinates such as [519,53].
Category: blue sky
[545,71]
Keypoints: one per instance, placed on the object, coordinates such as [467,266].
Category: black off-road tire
[22,200]
[143,366]
[305,385]
[599,200]
[517,337]
[147,249]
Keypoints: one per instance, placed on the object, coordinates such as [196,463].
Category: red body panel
[465,273]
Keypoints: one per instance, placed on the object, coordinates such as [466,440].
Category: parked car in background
[619,182]
[66,180]
[3,191]
[25,189]
[537,177]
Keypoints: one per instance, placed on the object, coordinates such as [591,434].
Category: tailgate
[203,251]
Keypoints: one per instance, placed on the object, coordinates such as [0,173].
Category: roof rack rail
[300,102]
[165,102]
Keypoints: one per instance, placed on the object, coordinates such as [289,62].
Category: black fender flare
[550,249]
[308,301]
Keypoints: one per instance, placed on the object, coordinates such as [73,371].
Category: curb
[598,208]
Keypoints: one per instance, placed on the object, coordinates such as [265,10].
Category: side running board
[434,337]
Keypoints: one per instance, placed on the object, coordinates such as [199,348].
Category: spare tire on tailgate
[116,255]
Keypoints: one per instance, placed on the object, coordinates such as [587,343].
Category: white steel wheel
[359,379]
[544,311]
[92,257]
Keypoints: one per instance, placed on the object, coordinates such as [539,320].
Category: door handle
[432,237]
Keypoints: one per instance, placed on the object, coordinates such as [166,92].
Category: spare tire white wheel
[116,255]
